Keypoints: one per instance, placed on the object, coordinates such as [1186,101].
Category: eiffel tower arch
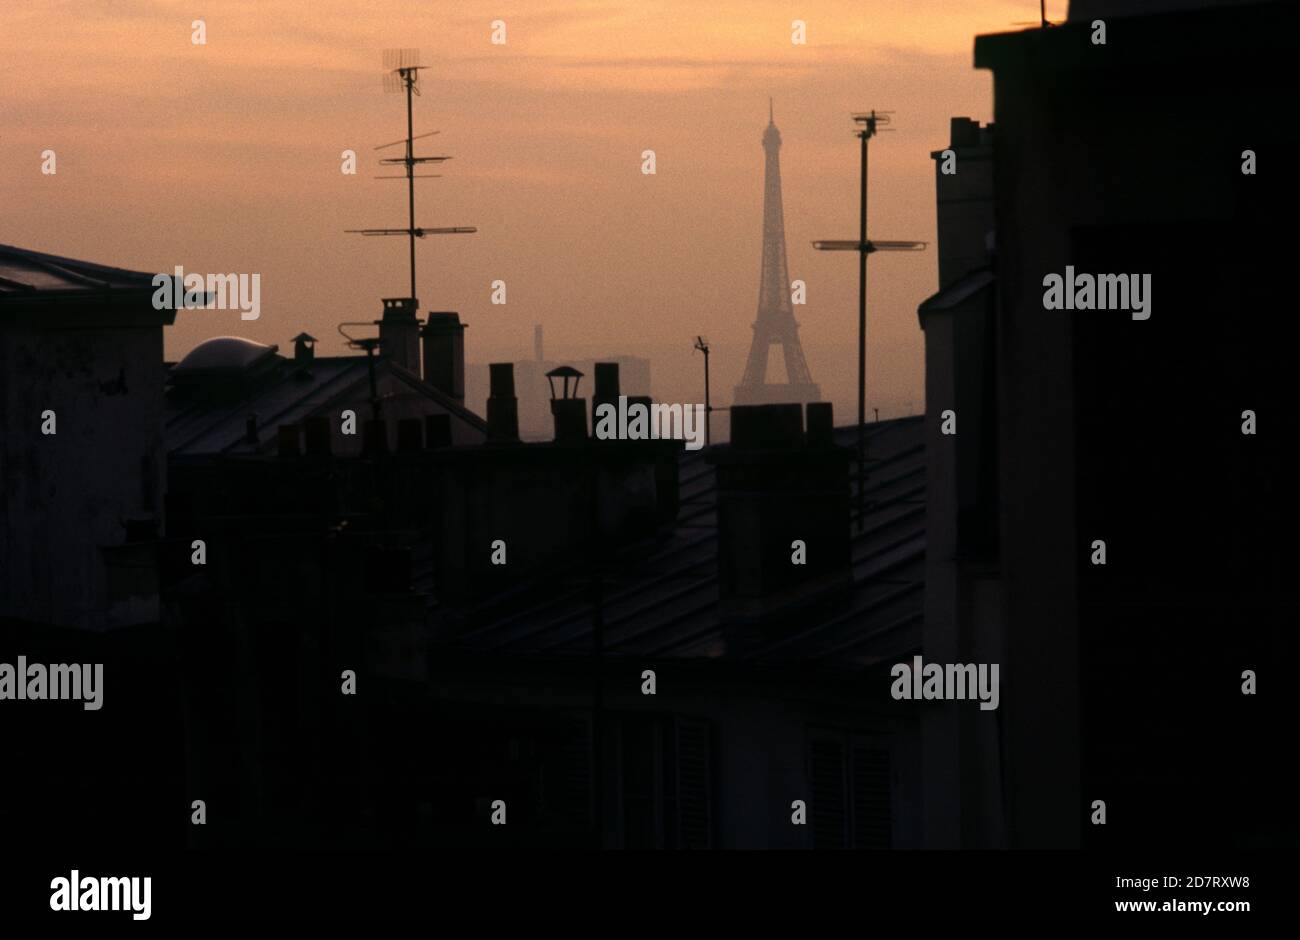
[775,324]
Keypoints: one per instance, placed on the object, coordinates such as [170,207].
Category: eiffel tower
[775,323]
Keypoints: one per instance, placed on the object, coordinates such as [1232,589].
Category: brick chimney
[443,341]
[773,491]
[399,332]
[502,405]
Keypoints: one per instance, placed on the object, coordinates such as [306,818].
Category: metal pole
[598,655]
[410,174]
[708,408]
[862,340]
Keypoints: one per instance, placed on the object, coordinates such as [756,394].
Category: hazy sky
[225,157]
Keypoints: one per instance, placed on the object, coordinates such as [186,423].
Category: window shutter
[827,772]
[872,816]
[694,784]
[573,771]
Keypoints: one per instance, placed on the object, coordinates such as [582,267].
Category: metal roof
[662,601]
[291,393]
[24,273]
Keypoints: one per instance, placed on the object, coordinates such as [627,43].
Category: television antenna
[1042,16]
[869,124]
[369,344]
[402,73]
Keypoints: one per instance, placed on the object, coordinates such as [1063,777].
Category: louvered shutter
[827,770]
[694,784]
[872,817]
[572,779]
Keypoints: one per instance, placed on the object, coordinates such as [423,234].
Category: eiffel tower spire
[775,324]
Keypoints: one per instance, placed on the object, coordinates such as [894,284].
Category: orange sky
[225,157]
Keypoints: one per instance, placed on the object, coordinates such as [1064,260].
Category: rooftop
[24,272]
[661,600]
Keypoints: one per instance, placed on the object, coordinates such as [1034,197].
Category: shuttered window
[851,796]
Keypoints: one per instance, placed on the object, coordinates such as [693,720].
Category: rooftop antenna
[702,345]
[868,125]
[402,73]
[1042,17]
[369,344]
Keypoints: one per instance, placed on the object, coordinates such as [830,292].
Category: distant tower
[775,322]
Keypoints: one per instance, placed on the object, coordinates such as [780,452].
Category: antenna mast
[402,73]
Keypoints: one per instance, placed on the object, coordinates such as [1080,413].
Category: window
[850,784]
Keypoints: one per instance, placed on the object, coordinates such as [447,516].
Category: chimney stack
[399,332]
[774,491]
[502,406]
[570,420]
[443,338]
[606,388]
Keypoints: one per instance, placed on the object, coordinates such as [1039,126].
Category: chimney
[606,388]
[399,332]
[502,406]
[304,348]
[964,199]
[570,420]
[537,342]
[773,492]
[443,339]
